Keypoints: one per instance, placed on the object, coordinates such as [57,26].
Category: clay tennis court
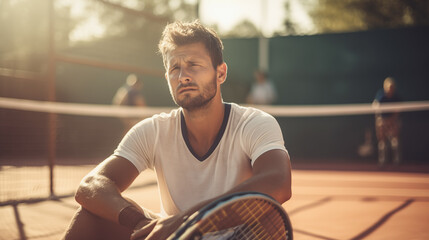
[351,202]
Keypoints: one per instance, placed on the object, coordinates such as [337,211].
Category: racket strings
[255,219]
[253,213]
[263,221]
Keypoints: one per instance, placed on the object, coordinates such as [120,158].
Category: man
[387,125]
[201,151]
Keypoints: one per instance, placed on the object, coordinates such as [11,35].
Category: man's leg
[381,153]
[381,144]
[86,225]
[394,143]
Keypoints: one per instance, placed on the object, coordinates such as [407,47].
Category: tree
[143,16]
[290,26]
[354,15]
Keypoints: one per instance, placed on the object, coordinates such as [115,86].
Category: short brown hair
[180,33]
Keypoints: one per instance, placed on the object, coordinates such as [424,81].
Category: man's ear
[222,71]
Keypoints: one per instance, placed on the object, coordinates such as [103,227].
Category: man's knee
[86,225]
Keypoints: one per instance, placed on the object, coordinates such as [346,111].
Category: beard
[196,102]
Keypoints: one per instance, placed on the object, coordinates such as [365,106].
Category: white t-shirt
[160,143]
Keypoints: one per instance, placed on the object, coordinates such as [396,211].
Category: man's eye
[173,69]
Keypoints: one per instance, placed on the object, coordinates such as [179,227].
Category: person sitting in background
[387,124]
[130,95]
[262,91]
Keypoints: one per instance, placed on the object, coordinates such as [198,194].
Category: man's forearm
[271,175]
[100,196]
[273,185]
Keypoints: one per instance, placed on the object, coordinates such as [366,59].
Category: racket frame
[186,230]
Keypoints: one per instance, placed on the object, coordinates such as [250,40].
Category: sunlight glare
[226,14]
[88,30]
[90,27]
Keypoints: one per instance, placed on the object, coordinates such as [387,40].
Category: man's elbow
[284,187]
[285,192]
[83,192]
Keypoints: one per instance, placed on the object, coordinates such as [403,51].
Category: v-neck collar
[218,137]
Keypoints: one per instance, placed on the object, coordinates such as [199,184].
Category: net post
[52,151]
[52,97]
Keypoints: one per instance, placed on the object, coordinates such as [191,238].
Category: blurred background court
[61,63]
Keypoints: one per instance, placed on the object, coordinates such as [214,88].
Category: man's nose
[184,76]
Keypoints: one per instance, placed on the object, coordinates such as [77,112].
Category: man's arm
[100,191]
[271,175]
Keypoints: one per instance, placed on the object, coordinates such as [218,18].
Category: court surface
[326,204]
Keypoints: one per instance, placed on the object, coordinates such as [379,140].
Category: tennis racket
[246,216]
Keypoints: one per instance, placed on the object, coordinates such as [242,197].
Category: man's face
[389,89]
[191,76]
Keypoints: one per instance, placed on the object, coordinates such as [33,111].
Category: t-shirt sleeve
[137,145]
[262,133]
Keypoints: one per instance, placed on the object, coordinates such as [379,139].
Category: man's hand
[158,229]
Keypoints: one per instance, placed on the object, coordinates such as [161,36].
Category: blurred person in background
[130,95]
[262,91]
[388,124]
[200,152]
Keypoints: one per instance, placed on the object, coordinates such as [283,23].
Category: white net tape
[275,110]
